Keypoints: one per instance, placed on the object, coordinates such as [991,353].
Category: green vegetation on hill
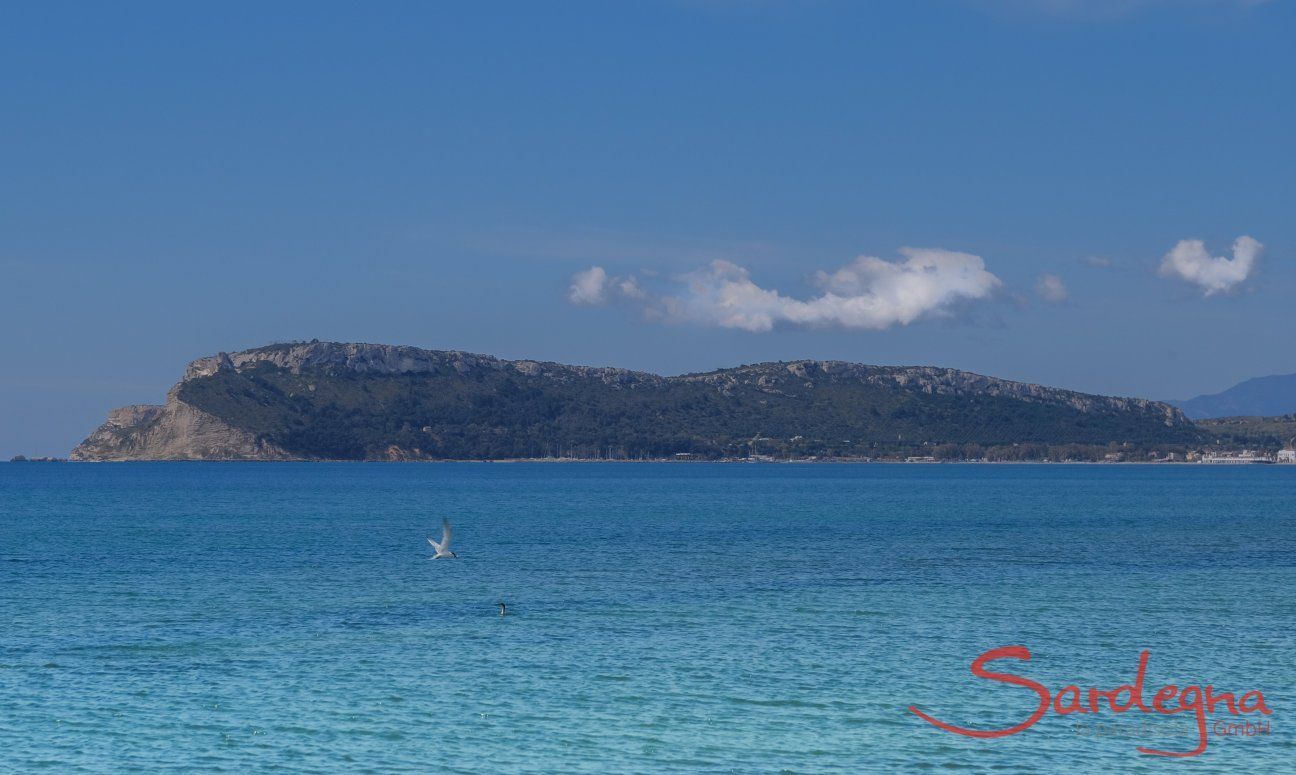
[1267,433]
[322,411]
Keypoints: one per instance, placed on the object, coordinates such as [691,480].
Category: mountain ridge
[1269,396]
[326,400]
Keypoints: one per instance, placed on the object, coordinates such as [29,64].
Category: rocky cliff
[172,431]
[323,400]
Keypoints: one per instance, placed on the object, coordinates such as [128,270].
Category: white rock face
[394,359]
[174,431]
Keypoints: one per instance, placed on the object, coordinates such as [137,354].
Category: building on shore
[1236,458]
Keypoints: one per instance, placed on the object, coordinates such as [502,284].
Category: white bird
[442,549]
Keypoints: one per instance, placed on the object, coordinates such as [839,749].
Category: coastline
[659,461]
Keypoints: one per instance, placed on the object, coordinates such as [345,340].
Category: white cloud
[868,293]
[631,289]
[589,286]
[1190,262]
[1050,287]
[594,286]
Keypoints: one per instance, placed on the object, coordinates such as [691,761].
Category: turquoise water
[685,617]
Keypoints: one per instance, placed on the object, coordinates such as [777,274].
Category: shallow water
[673,617]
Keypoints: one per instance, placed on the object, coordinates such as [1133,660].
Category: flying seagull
[442,549]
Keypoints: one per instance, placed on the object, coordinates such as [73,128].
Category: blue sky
[181,179]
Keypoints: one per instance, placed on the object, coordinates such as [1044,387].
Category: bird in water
[503,608]
[442,549]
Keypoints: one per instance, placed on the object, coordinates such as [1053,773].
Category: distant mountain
[1259,397]
[322,400]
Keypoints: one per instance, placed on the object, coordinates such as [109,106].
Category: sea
[674,617]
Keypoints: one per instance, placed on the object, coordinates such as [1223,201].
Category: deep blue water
[675,617]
